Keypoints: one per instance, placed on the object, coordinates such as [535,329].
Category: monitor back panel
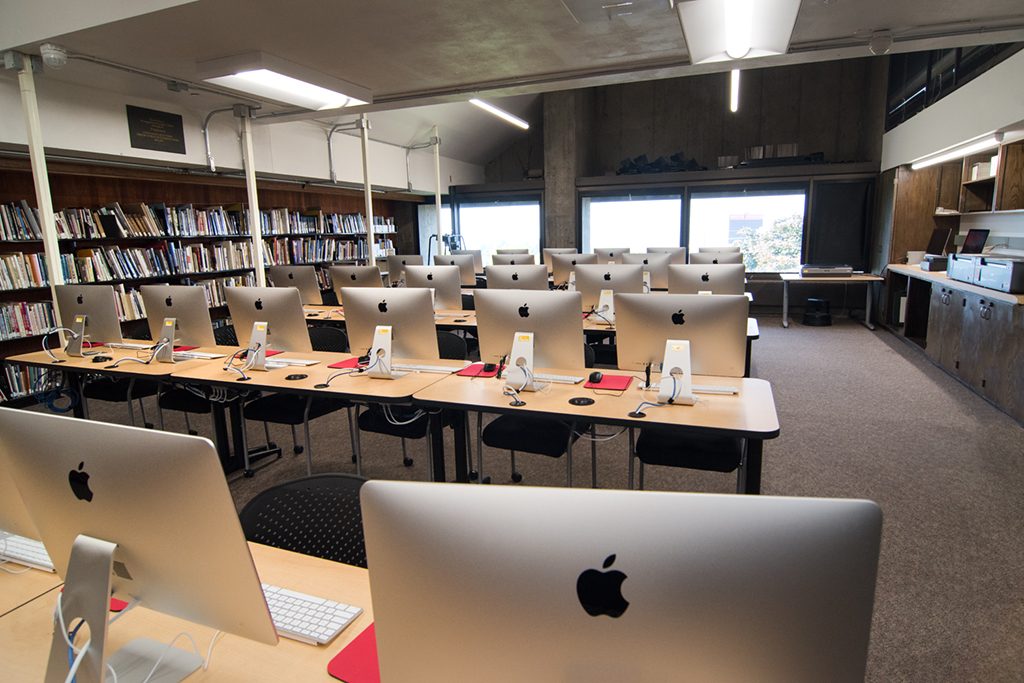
[187,305]
[717,279]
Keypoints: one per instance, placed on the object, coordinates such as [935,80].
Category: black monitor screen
[937,244]
[974,242]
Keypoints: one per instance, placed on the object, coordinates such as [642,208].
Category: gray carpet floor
[862,415]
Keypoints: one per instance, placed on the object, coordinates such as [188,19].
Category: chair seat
[673,448]
[116,390]
[290,409]
[543,436]
[373,420]
[184,401]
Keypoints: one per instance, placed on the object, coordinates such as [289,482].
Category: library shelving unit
[129,227]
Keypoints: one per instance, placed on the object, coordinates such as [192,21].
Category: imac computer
[728,249]
[547,252]
[354,276]
[655,264]
[407,311]
[302,278]
[478,257]
[715,326]
[512,259]
[512,251]
[517,277]
[279,307]
[562,266]
[610,254]
[189,308]
[725,278]
[397,264]
[466,264]
[96,303]
[676,254]
[716,257]
[444,280]
[553,317]
[592,279]
[604,585]
[140,514]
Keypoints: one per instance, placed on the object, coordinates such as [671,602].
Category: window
[634,221]
[428,227]
[767,225]
[500,224]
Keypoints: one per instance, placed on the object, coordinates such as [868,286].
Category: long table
[25,632]
[858,279]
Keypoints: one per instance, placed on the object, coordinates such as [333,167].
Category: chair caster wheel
[473,475]
[193,432]
[517,477]
[297,450]
[249,474]
[485,480]
[407,462]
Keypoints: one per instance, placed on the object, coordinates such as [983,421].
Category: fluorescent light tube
[734,90]
[958,151]
[501,113]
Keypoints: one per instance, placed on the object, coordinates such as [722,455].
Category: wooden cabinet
[945,322]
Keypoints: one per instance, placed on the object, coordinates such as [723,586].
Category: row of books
[128,303]
[21,271]
[294,250]
[116,263]
[21,381]
[19,221]
[25,319]
[355,224]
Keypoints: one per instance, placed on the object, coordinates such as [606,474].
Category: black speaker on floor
[816,313]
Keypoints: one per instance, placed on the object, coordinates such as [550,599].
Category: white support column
[437,185]
[30,108]
[254,202]
[364,136]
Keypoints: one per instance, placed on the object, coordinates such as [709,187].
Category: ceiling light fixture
[734,90]
[501,113]
[958,151]
[273,78]
[719,30]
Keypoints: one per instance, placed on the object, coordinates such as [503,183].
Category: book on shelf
[22,381]
[139,220]
[72,223]
[25,319]
[22,271]
[19,221]
[128,303]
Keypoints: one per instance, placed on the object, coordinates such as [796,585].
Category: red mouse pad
[347,363]
[477,370]
[185,348]
[357,662]
[611,383]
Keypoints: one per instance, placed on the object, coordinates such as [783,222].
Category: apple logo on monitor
[430,276]
[524,311]
[511,261]
[383,306]
[705,278]
[168,302]
[259,304]
[646,262]
[291,276]
[607,277]
[79,481]
[611,254]
[677,317]
[515,276]
[403,262]
[353,276]
[714,260]
[80,299]
[574,262]
[600,592]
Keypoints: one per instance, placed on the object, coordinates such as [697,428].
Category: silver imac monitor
[677,254]
[728,249]
[716,257]
[517,277]
[478,257]
[466,264]
[610,254]
[279,307]
[715,326]
[303,278]
[547,252]
[354,276]
[512,259]
[444,280]
[161,498]
[397,264]
[189,308]
[96,303]
[591,279]
[604,585]
[512,251]
[407,311]
[563,264]
[553,316]
[655,264]
[722,278]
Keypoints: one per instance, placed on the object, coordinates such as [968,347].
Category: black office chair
[375,420]
[539,435]
[294,410]
[126,390]
[675,448]
[190,401]
[317,515]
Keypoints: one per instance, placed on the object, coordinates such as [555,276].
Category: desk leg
[458,420]
[785,303]
[76,385]
[220,436]
[867,306]
[746,364]
[437,448]
[750,480]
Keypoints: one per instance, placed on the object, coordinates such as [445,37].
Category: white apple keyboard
[307,618]
[558,379]
[130,345]
[287,362]
[440,369]
[714,389]
[196,355]
[26,551]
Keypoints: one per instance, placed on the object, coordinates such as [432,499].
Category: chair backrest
[589,357]
[451,346]
[468,302]
[327,338]
[318,516]
[225,335]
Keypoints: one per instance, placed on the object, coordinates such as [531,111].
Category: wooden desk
[866,280]
[19,589]
[750,414]
[25,634]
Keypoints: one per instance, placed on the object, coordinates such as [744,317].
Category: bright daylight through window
[501,225]
[633,221]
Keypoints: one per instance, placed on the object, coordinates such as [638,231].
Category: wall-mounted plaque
[157,130]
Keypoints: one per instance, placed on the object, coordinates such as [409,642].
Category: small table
[859,278]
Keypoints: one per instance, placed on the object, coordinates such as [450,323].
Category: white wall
[80,119]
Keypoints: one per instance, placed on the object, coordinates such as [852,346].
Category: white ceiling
[423,59]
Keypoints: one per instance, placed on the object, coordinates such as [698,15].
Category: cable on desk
[153,351]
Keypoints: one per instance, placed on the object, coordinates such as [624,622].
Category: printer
[963,267]
[817,270]
[1002,274]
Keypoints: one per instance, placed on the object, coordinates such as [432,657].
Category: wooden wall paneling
[916,192]
[669,116]
[949,186]
[819,98]
[849,110]
[1010,185]
[703,125]
[780,106]
[743,128]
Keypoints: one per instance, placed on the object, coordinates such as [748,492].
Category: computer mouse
[297,376]
[596,377]
[490,367]
[101,359]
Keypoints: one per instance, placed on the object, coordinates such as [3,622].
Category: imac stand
[676,380]
[647,282]
[165,350]
[571,285]
[74,347]
[86,596]
[258,346]
[605,310]
[380,354]
[519,375]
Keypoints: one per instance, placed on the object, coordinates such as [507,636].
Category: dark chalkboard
[156,130]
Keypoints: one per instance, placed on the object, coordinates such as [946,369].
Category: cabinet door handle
[986,312]
[945,299]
